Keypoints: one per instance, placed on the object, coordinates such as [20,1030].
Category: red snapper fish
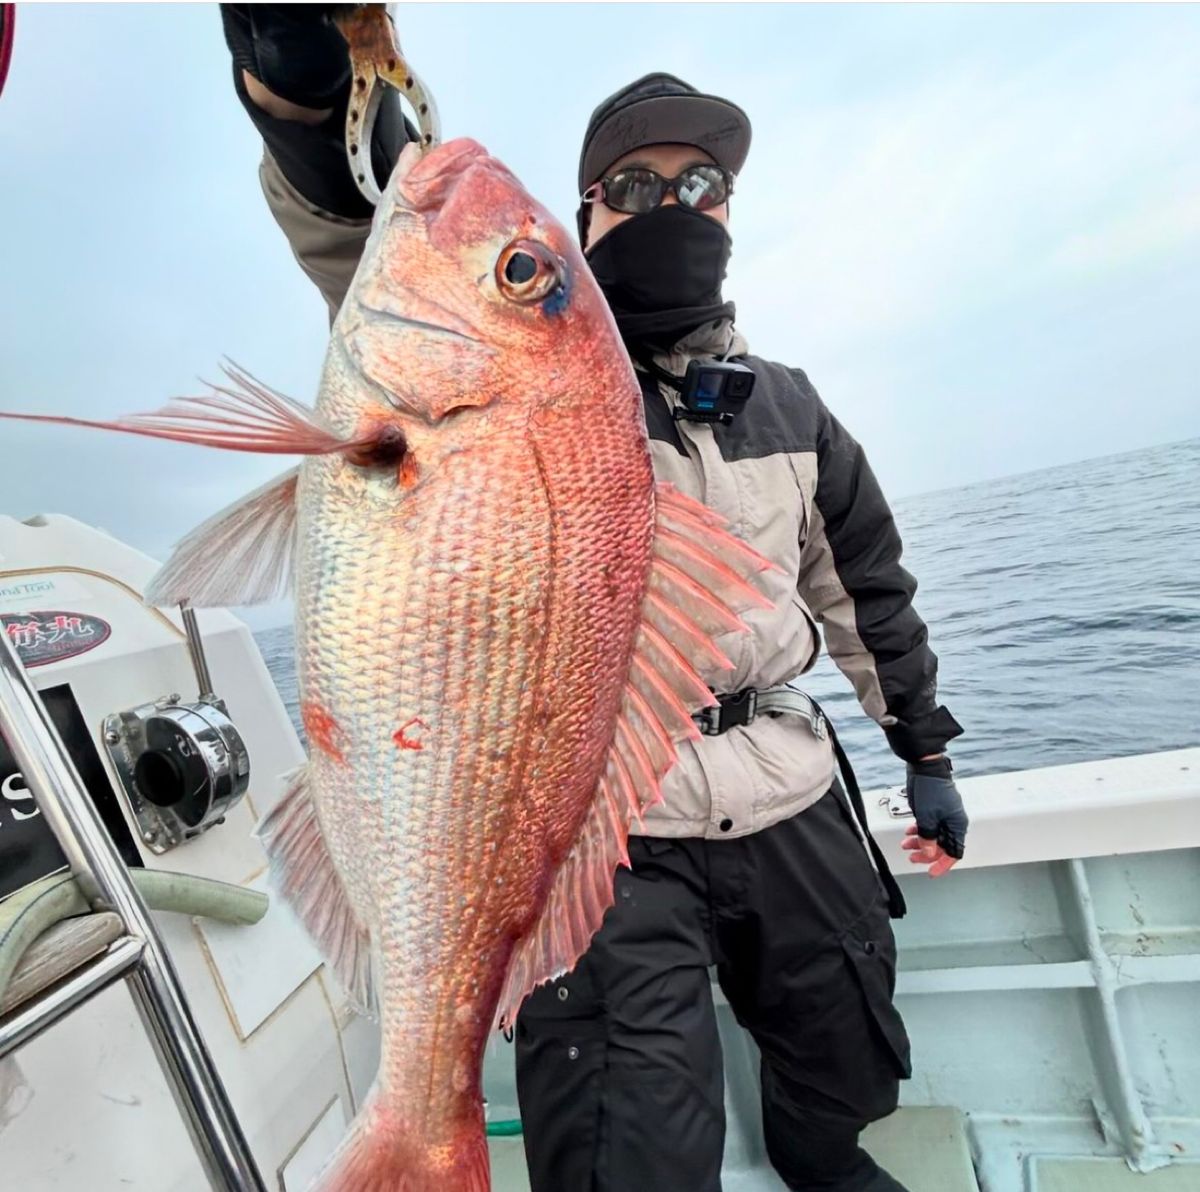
[501,623]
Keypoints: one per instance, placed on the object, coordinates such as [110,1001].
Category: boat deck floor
[925,1149]
[1110,1175]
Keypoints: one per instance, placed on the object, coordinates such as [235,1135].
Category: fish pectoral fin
[242,555]
[303,872]
[242,416]
[698,585]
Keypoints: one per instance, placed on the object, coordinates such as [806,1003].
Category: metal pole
[196,650]
[29,1021]
[62,798]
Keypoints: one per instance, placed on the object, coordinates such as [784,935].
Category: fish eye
[528,272]
[521,268]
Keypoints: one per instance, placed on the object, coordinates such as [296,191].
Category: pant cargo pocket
[873,963]
[561,1043]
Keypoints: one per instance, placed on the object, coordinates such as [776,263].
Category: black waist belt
[741,708]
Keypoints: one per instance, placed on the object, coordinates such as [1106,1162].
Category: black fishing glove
[937,805]
[299,54]
[294,50]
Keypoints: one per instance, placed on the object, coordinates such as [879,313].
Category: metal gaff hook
[376,61]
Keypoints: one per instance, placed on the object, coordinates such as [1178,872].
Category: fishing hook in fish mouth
[376,62]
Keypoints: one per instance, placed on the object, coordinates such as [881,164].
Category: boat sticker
[16,591]
[44,637]
[28,848]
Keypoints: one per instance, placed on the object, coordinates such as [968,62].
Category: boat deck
[925,1149]
[1050,990]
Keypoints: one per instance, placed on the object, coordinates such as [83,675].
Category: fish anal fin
[712,573]
[242,555]
[302,871]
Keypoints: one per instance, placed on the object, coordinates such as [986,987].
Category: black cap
[661,109]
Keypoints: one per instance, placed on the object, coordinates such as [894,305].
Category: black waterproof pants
[619,1069]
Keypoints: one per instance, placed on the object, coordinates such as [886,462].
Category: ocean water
[1063,605]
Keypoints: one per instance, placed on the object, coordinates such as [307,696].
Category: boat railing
[138,956]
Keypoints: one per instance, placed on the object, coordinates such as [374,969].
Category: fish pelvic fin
[701,579]
[377,1155]
[242,555]
[303,873]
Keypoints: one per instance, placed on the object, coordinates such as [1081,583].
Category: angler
[754,860]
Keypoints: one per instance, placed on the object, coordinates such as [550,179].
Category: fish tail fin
[377,1157]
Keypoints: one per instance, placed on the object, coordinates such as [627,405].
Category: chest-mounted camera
[714,391]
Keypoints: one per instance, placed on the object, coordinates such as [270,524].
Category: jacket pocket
[873,965]
[814,632]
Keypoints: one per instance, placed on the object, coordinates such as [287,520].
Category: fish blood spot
[407,740]
[321,729]
[408,473]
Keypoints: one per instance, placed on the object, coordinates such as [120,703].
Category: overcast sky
[976,227]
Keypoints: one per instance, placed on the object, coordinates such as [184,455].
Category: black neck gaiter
[662,272]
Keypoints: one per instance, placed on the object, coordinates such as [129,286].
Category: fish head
[471,296]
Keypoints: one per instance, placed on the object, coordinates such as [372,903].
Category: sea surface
[1064,606]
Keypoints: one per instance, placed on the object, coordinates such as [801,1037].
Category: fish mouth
[423,182]
[396,320]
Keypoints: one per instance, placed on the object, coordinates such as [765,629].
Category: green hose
[31,912]
[188,895]
[508,1128]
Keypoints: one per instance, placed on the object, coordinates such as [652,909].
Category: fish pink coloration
[499,620]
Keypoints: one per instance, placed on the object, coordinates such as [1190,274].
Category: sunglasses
[637,189]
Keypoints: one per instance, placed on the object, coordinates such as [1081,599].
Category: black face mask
[662,272]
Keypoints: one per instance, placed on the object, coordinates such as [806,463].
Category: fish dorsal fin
[698,586]
[303,873]
[242,555]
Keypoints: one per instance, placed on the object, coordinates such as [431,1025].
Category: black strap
[896,904]
[645,357]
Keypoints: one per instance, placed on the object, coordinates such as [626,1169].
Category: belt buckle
[739,708]
[733,710]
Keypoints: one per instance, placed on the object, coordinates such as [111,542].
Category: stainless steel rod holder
[196,649]
[62,798]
